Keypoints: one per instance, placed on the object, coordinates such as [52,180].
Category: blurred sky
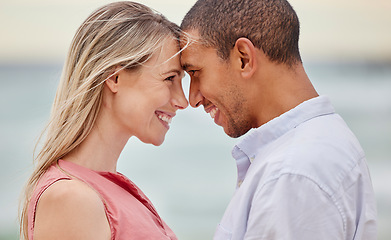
[40,31]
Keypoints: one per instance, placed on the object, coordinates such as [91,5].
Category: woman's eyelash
[170,78]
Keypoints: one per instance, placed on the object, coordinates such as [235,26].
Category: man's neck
[278,89]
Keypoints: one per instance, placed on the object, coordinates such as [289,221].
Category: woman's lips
[165,118]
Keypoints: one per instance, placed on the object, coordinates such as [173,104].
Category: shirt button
[240,182]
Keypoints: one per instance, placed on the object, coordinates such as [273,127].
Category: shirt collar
[275,128]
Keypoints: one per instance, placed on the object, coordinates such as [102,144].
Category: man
[301,172]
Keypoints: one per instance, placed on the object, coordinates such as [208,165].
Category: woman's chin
[155,142]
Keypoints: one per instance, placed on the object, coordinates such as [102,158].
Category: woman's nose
[179,100]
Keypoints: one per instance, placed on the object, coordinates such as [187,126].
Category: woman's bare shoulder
[70,209]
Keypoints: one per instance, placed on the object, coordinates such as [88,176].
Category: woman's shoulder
[70,191]
[70,209]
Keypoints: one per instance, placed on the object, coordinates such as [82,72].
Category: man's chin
[235,132]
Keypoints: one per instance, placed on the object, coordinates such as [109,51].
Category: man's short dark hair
[271,25]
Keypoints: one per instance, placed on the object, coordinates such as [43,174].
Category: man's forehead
[193,50]
[186,60]
[189,55]
[190,38]
[192,55]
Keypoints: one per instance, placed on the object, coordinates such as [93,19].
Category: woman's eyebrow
[177,71]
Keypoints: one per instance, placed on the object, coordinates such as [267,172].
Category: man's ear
[246,57]
[112,82]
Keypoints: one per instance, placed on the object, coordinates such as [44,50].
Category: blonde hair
[123,34]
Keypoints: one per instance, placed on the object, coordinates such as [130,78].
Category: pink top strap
[130,213]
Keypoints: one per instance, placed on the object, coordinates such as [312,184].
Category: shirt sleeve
[293,207]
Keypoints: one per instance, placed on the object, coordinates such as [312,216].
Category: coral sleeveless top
[130,213]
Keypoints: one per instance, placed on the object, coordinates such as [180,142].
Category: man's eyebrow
[186,66]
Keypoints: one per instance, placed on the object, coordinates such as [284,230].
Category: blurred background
[346,49]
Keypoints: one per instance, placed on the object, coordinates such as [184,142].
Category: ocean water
[191,177]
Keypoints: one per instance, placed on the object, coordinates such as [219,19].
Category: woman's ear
[246,57]
[112,82]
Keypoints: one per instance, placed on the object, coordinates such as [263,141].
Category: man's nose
[195,96]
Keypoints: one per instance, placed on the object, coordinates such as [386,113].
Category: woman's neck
[101,149]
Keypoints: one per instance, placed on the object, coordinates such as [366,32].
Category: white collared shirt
[301,176]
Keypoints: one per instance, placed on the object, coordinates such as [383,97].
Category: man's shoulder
[324,153]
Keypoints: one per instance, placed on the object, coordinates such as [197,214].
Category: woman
[122,78]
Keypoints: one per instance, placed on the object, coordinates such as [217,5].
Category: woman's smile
[165,118]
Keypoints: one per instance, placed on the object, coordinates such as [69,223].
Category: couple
[301,172]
